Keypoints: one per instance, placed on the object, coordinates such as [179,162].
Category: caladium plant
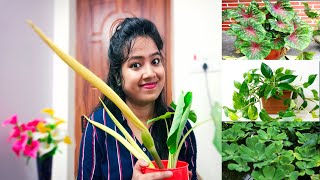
[273,26]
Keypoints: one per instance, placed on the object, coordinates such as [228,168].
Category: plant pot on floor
[276,54]
[273,105]
[181,171]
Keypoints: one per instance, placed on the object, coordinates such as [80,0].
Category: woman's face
[143,74]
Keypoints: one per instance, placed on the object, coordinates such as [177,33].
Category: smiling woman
[137,75]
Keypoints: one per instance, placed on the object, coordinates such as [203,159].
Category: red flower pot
[273,105]
[181,171]
[276,54]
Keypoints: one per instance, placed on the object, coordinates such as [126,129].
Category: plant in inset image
[262,91]
[316,16]
[270,150]
[268,31]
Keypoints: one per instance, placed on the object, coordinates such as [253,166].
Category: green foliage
[267,83]
[261,29]
[313,15]
[272,150]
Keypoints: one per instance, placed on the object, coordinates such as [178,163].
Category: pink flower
[20,144]
[12,120]
[32,149]
[15,132]
[33,124]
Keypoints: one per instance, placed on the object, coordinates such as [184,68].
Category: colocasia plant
[273,26]
[267,83]
[271,150]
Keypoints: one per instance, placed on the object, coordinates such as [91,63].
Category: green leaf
[286,86]
[252,112]
[309,13]
[287,78]
[279,70]
[238,101]
[315,94]
[237,167]
[301,92]
[269,92]
[264,116]
[162,117]
[233,116]
[244,89]
[305,56]
[172,137]
[192,116]
[237,84]
[266,70]
[311,79]
[173,105]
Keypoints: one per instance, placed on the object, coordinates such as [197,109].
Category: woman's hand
[138,175]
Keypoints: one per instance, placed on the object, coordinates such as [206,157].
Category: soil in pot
[181,171]
[273,105]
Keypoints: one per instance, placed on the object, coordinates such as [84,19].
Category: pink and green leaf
[300,38]
[253,50]
[281,25]
[282,9]
[249,31]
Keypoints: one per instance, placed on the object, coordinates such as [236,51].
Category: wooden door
[95,18]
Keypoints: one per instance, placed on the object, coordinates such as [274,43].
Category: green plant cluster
[267,83]
[271,150]
[272,26]
[313,15]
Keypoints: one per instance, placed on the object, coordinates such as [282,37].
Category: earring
[118,82]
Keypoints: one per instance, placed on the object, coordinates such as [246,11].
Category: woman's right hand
[138,175]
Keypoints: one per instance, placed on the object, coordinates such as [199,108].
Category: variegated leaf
[249,31]
[300,38]
[253,50]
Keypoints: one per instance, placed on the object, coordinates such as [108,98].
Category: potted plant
[316,16]
[271,150]
[267,32]
[39,139]
[267,83]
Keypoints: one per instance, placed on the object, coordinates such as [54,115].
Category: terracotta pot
[273,105]
[276,54]
[181,171]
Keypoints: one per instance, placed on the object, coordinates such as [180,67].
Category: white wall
[196,30]
[233,70]
[25,75]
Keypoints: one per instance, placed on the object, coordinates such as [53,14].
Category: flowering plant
[38,137]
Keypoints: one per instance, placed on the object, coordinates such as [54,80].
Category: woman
[137,75]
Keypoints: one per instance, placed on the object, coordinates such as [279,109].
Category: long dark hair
[119,49]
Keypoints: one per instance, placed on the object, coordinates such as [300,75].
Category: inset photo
[270,90]
[270,30]
[270,150]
